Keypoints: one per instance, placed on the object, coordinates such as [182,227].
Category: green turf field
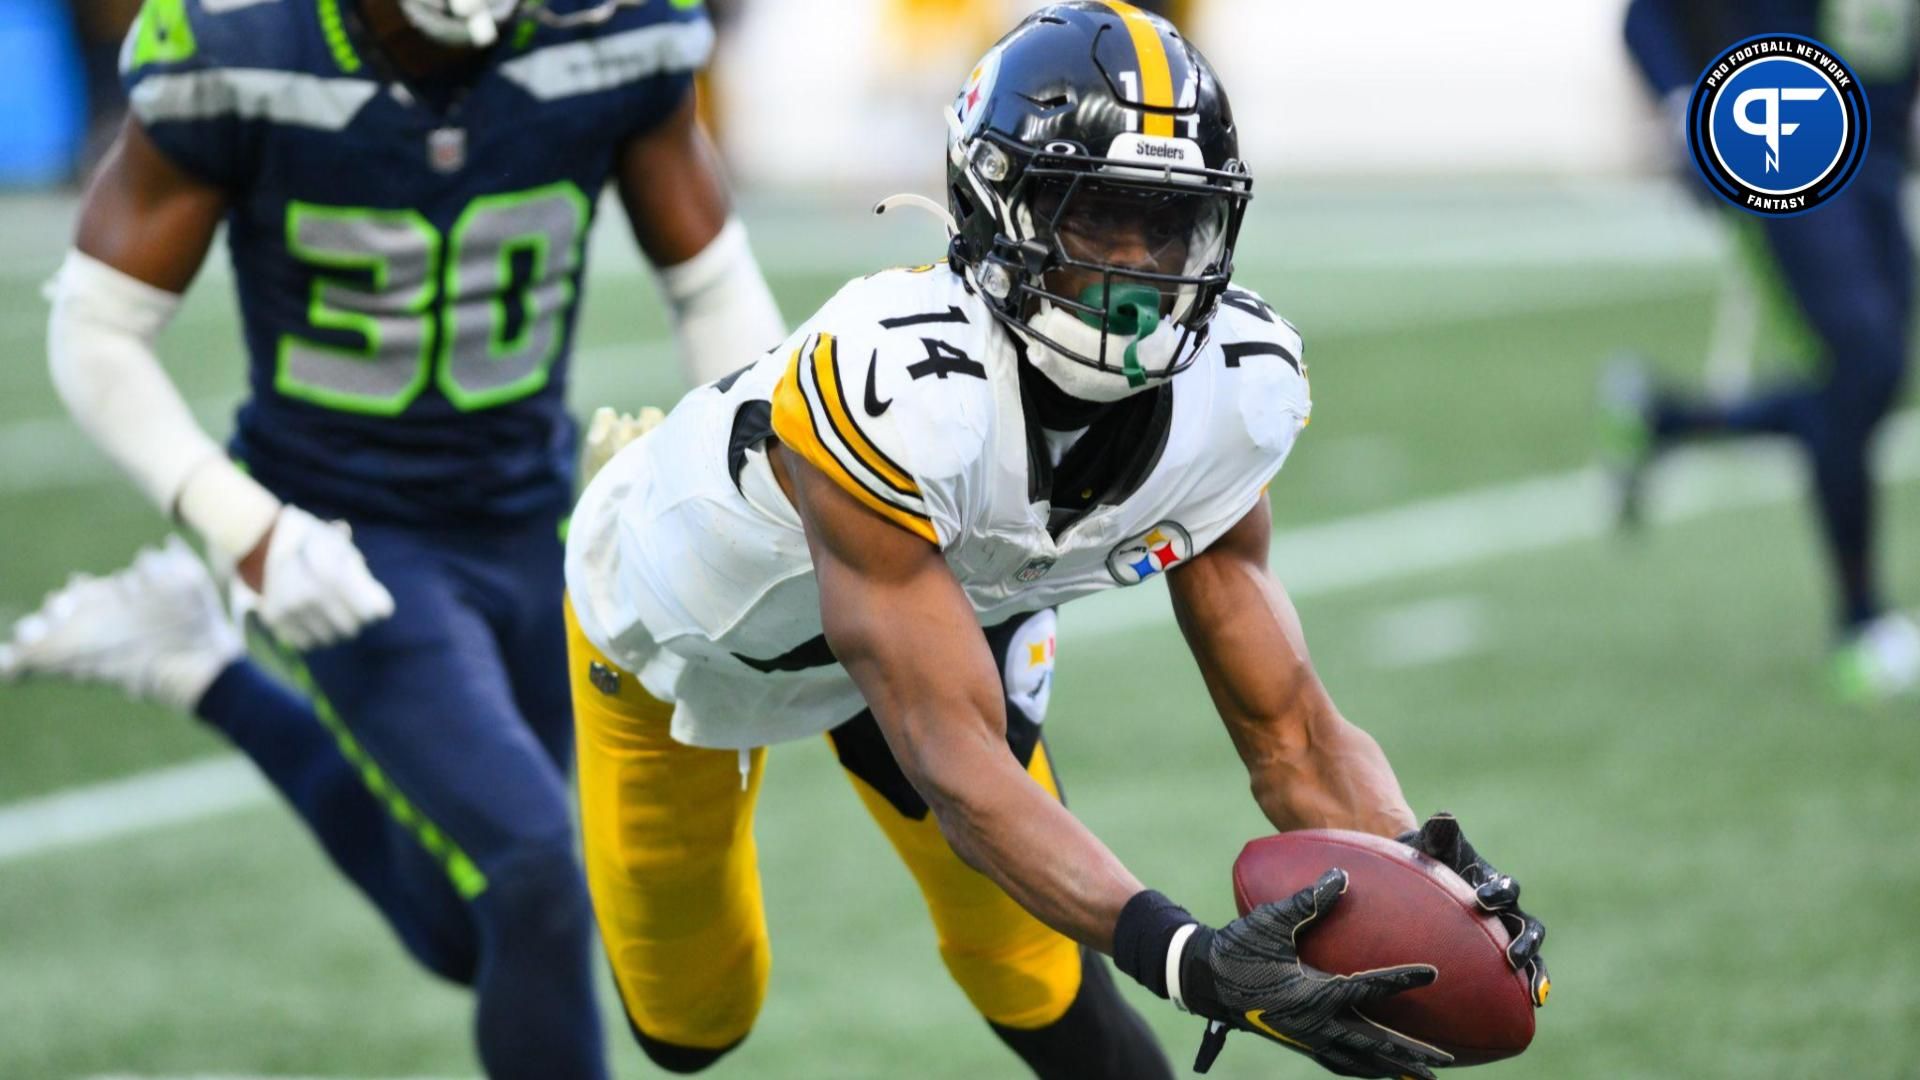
[1637,730]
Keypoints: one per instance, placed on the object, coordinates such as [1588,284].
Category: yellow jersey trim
[826,375]
[798,430]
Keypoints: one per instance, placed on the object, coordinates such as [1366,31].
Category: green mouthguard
[1128,311]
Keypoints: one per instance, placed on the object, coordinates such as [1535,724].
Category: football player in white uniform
[1077,399]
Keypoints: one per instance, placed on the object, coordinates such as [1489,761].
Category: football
[1400,907]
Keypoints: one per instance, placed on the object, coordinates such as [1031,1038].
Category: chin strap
[918,202]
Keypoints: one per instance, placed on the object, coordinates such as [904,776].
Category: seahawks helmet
[1096,190]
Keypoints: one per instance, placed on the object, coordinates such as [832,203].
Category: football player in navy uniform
[1846,271]
[407,187]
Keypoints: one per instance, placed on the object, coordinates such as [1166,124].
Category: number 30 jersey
[687,565]
[408,257]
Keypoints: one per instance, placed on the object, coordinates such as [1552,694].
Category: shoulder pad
[204,35]
[887,392]
[210,65]
[636,42]
[625,17]
[1266,367]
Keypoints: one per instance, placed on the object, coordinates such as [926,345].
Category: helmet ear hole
[962,204]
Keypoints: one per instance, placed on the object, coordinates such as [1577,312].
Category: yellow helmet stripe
[1156,73]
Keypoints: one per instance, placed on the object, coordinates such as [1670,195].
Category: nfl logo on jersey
[1034,569]
[1135,560]
[447,149]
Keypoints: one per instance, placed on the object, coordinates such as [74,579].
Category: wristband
[228,508]
[1143,938]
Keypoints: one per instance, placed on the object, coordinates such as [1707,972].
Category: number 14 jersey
[687,565]
[408,258]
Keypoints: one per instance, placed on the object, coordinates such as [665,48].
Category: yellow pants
[670,858]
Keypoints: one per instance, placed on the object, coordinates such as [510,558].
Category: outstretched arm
[1309,767]
[902,627]
[900,624]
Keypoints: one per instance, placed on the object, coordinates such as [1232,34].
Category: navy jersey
[408,258]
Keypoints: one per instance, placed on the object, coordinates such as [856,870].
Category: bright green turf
[1724,857]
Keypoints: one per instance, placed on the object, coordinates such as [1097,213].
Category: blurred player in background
[408,187]
[1078,399]
[1847,268]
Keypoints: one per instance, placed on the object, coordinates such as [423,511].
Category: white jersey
[687,565]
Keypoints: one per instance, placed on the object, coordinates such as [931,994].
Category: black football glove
[1441,839]
[1248,976]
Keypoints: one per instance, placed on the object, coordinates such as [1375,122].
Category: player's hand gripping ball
[1403,907]
[1441,839]
[1253,975]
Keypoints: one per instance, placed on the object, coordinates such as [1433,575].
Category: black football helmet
[1088,121]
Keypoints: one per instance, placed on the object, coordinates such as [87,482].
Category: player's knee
[676,1057]
[455,961]
[1024,979]
[1858,399]
[537,898]
[1098,1037]
[1882,387]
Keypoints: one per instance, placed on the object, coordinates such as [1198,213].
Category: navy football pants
[431,763]
[1849,265]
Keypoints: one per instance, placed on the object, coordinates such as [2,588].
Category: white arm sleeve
[100,351]
[723,313]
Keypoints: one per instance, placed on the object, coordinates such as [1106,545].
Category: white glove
[608,431]
[316,589]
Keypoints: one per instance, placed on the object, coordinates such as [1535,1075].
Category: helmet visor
[1156,236]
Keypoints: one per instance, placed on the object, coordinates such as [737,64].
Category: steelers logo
[1158,549]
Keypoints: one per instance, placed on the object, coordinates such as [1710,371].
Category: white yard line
[1429,632]
[1411,541]
[140,803]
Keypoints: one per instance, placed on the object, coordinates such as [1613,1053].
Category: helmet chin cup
[1132,311]
[1078,355]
